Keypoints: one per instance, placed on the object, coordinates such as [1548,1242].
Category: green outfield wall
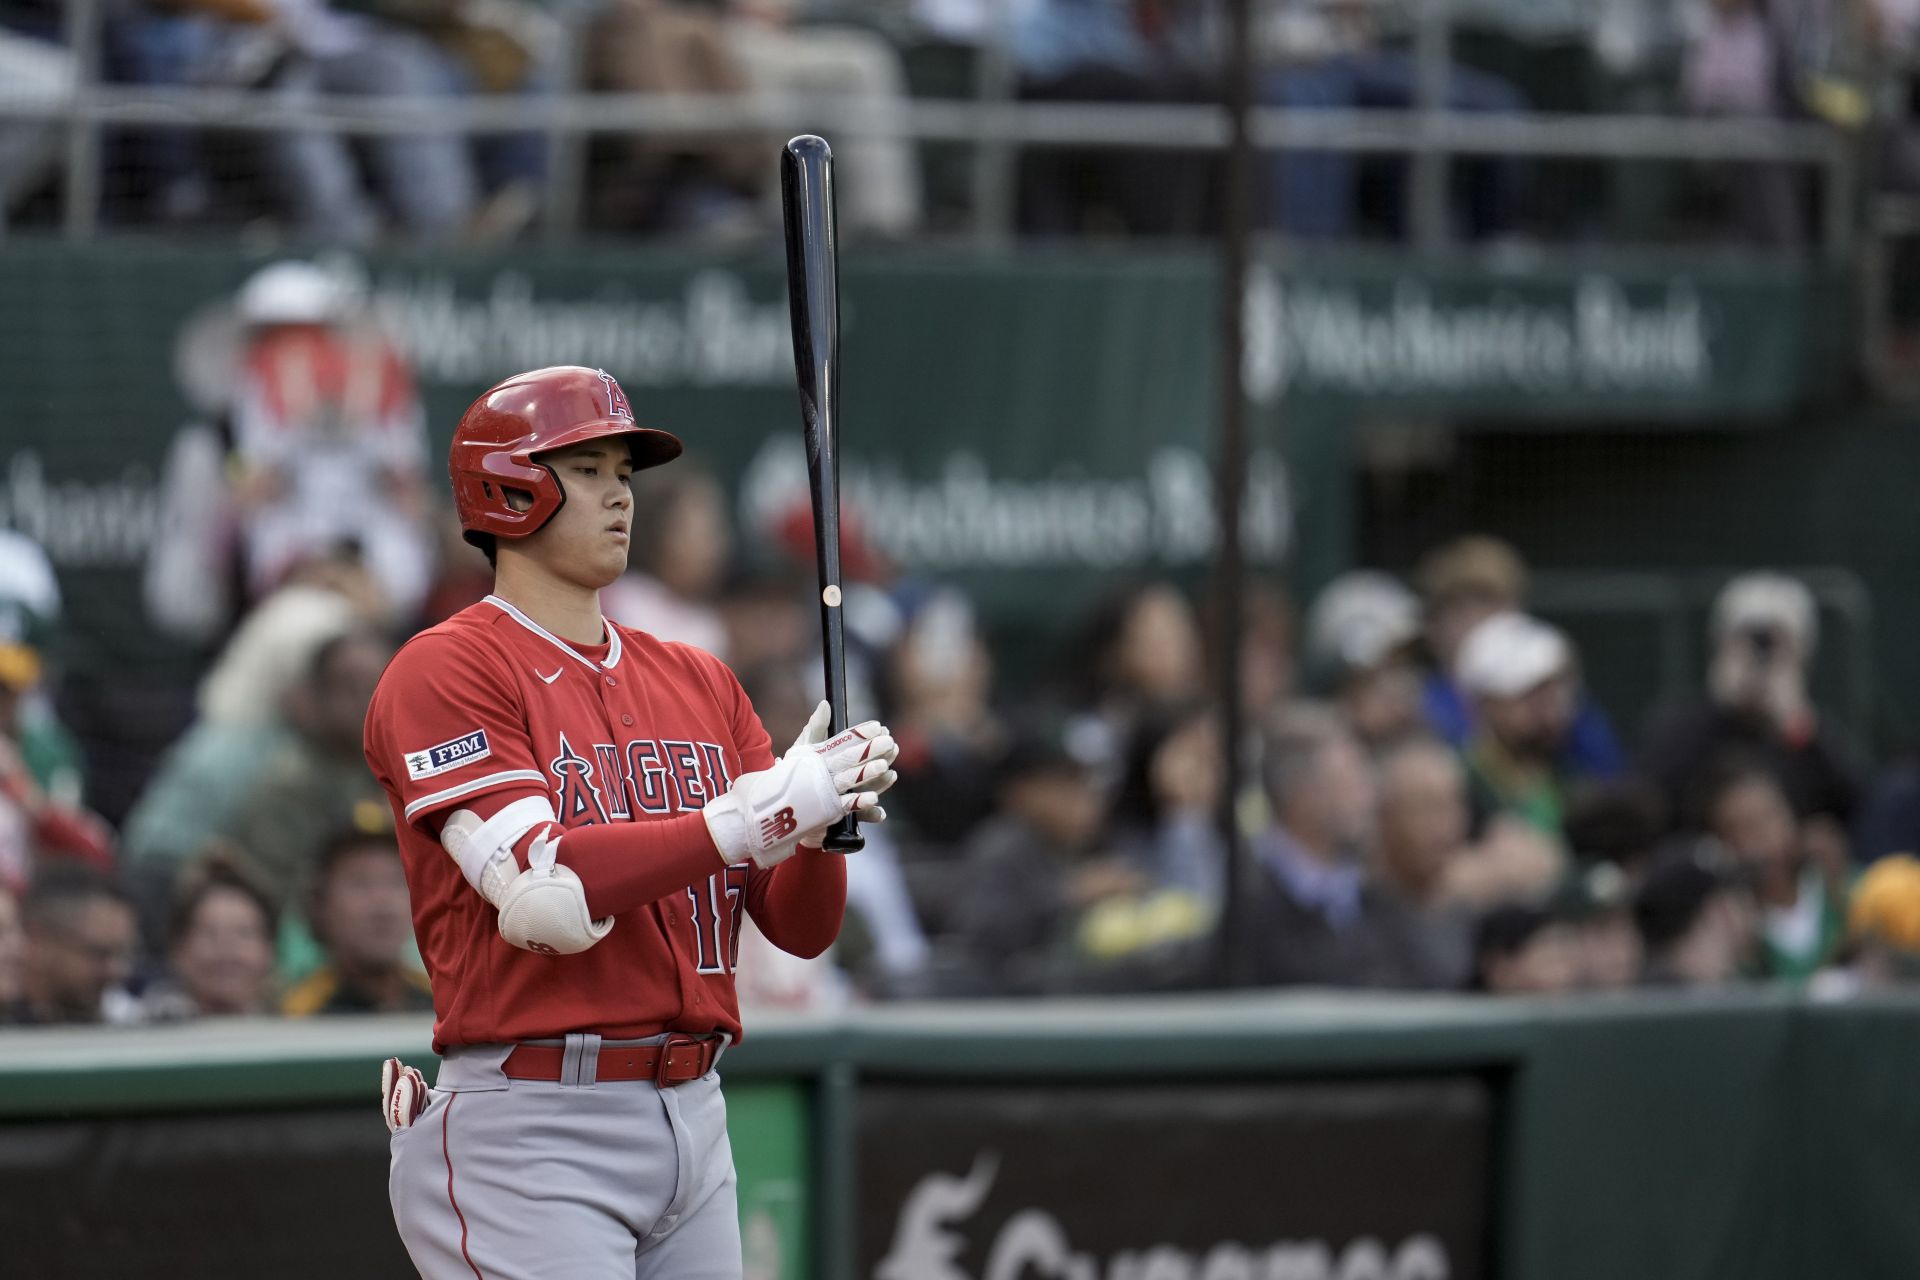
[1755,1135]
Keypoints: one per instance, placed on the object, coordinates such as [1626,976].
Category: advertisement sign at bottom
[1354,1180]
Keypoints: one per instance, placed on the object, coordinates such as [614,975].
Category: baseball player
[584,813]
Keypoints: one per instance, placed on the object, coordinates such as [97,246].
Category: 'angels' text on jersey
[607,782]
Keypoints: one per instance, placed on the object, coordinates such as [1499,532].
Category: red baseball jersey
[489,708]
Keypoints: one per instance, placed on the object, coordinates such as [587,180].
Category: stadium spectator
[1802,910]
[1139,652]
[219,947]
[329,438]
[1763,632]
[170,43]
[1511,862]
[1309,905]
[784,62]
[939,691]
[427,181]
[1784,60]
[1521,675]
[502,48]
[34,824]
[1114,51]
[1360,636]
[81,944]
[1734,68]
[40,781]
[304,51]
[13,952]
[318,783]
[1267,660]
[1889,820]
[1900,21]
[722,186]
[1525,951]
[361,916]
[1032,871]
[682,543]
[205,776]
[1423,843]
[29,618]
[1331,58]
[1883,924]
[1166,815]
[660,180]
[1462,583]
[35,67]
[1596,902]
[1695,918]
[1618,822]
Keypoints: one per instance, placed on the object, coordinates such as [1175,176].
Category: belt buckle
[660,1080]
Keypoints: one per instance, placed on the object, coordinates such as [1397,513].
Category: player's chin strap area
[542,909]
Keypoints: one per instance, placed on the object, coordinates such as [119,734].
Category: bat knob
[809,146]
[842,842]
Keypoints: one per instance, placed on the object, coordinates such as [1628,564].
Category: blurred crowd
[1849,63]
[1430,797]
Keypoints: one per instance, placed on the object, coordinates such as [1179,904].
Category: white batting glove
[403,1094]
[766,815]
[861,759]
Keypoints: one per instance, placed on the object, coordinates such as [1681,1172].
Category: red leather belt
[675,1060]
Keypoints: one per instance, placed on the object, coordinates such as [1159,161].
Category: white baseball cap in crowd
[1767,600]
[1360,619]
[292,292]
[1510,654]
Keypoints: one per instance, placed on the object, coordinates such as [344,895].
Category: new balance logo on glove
[779,826]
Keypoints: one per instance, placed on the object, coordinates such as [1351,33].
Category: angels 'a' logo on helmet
[617,406]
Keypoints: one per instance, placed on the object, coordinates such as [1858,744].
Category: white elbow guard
[542,909]
[545,910]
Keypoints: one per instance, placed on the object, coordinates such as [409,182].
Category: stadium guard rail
[1752,1134]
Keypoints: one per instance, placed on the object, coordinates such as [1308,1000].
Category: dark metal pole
[1429,194]
[84,19]
[1230,478]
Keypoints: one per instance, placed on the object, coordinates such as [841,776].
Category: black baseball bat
[813,294]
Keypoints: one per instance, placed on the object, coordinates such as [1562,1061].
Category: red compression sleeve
[799,904]
[624,865]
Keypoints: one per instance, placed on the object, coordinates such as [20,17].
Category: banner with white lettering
[1205,1180]
[1031,427]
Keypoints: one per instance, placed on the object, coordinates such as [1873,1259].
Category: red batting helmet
[531,413]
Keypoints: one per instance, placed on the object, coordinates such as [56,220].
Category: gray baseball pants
[504,1179]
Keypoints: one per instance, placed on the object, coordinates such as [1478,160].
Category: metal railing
[993,122]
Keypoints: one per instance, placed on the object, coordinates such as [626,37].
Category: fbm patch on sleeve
[451,754]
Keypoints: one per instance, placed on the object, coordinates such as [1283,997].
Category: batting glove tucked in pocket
[403,1094]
